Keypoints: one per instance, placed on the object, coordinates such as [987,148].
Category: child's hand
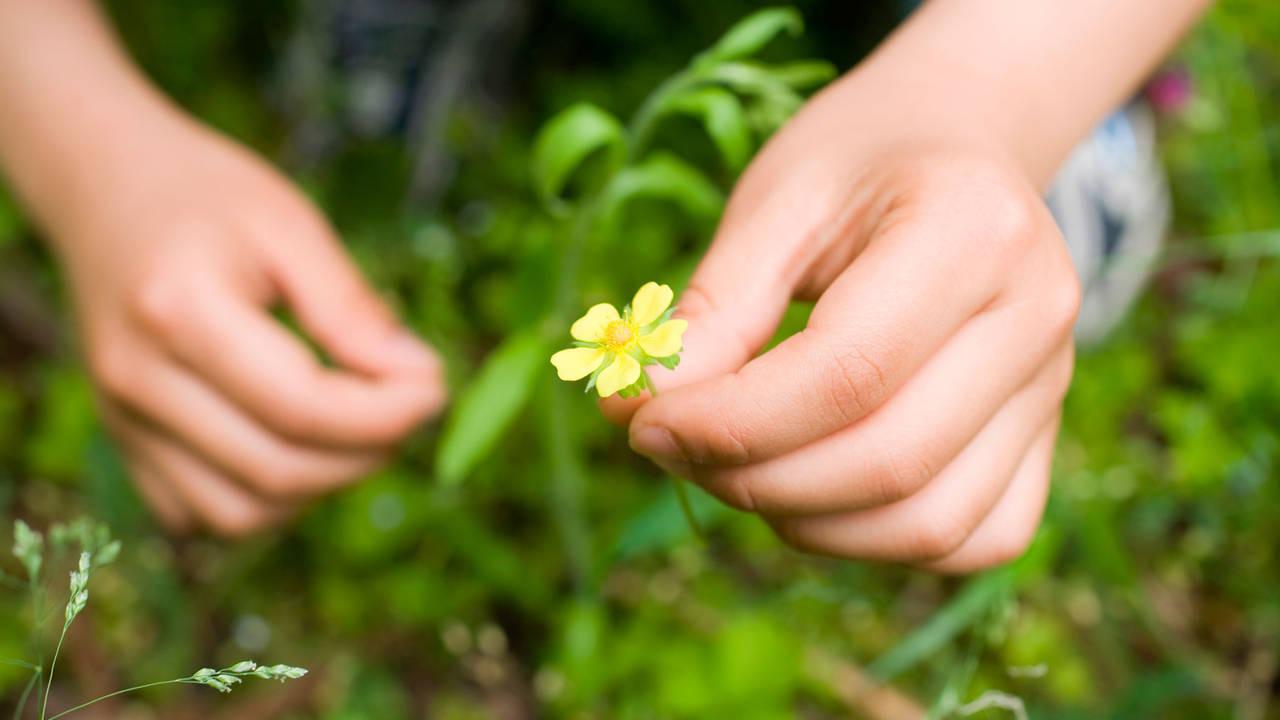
[914,418]
[227,418]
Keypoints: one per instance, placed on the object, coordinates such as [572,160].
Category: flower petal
[650,302]
[622,372]
[577,363]
[665,339]
[590,327]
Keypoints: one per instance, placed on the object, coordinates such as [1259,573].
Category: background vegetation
[539,568]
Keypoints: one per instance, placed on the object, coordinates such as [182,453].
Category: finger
[336,306]
[738,293]
[163,501]
[1007,532]
[895,451]
[937,520]
[237,444]
[243,352]
[871,330]
[216,501]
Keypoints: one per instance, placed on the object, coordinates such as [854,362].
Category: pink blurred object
[1170,90]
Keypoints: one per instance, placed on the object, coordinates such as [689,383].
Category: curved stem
[26,694]
[643,122]
[48,684]
[84,705]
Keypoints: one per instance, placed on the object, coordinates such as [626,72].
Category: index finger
[241,350]
[872,329]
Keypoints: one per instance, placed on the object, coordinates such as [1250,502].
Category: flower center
[618,334]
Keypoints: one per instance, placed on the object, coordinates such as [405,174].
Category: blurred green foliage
[539,568]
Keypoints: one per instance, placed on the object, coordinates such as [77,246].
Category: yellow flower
[613,348]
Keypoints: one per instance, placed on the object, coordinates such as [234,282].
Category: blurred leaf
[752,33]
[489,404]
[661,525]
[661,176]
[723,117]
[965,608]
[804,74]
[565,143]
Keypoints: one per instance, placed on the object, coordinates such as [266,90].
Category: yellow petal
[577,363]
[623,371]
[665,339]
[590,327]
[650,302]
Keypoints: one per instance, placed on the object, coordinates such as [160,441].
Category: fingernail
[656,441]
[407,350]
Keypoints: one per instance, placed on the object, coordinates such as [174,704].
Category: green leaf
[565,143]
[752,33]
[803,74]
[661,524]
[723,117]
[661,176]
[773,99]
[489,404]
[964,609]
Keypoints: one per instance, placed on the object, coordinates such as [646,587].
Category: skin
[913,420]
[177,244]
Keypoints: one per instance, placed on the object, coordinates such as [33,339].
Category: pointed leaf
[662,176]
[724,119]
[752,33]
[486,408]
[565,143]
[804,74]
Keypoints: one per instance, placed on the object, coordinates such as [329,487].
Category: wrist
[1023,79]
[66,146]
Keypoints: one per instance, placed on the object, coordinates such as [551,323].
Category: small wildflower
[613,348]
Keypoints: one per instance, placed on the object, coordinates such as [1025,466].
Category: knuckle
[114,368]
[293,412]
[239,522]
[356,306]
[1007,547]
[938,538]
[157,303]
[725,443]
[281,478]
[857,383]
[1009,213]
[736,492]
[902,475]
[1060,375]
[791,535]
[1062,303]
[718,437]
[696,302]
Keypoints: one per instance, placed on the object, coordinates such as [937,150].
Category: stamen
[618,333]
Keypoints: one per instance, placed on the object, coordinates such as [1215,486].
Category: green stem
[682,493]
[26,694]
[20,663]
[645,119]
[48,684]
[84,705]
[567,488]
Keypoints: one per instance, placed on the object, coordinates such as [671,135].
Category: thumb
[339,310]
[733,302]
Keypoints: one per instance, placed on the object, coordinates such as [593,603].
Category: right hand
[226,418]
